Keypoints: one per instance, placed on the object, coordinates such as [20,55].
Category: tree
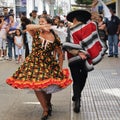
[87,2]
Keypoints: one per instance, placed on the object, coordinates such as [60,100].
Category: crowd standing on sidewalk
[16,37]
[7,46]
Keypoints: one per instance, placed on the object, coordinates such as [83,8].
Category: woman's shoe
[45,116]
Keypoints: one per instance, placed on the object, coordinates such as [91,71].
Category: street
[100,97]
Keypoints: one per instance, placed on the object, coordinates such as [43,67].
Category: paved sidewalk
[100,98]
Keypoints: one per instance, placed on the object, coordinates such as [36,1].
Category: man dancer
[84,49]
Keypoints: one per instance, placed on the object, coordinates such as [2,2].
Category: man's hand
[82,55]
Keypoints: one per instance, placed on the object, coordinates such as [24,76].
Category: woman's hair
[61,21]
[54,18]
[48,19]
[57,17]
[101,17]
[25,20]
[19,31]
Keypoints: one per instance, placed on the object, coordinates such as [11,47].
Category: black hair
[61,21]
[34,11]
[79,18]
[19,31]
[44,12]
[111,9]
[57,17]
[101,17]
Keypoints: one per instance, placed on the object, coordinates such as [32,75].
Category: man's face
[5,11]
[74,20]
[34,14]
[112,12]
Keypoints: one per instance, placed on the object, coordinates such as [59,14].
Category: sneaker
[116,56]
[110,55]
[10,59]
[6,58]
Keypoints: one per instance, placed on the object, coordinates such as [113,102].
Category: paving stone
[100,97]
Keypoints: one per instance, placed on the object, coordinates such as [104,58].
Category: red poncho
[85,38]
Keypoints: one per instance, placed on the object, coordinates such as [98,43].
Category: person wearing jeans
[113,30]
[12,27]
[113,43]
[10,46]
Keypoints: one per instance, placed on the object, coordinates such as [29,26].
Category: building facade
[26,6]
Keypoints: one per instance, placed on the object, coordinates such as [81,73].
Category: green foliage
[87,2]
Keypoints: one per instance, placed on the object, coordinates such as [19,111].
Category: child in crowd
[18,40]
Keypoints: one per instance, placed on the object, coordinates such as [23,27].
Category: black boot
[77,106]
[73,98]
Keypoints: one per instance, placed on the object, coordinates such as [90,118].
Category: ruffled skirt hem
[40,84]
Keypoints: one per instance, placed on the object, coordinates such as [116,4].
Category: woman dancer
[40,70]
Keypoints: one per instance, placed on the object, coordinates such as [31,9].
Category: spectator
[11,12]
[6,14]
[102,29]
[61,31]
[24,22]
[44,13]
[34,17]
[13,25]
[113,30]
[18,40]
[56,20]
[3,38]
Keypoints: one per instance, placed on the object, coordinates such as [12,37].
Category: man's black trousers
[79,76]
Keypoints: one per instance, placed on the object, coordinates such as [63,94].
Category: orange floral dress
[40,70]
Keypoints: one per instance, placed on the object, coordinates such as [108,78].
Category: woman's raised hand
[46,27]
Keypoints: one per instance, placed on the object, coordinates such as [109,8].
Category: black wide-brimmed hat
[82,15]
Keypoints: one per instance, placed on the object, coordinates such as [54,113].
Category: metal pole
[57,7]
[44,7]
[34,4]
[70,4]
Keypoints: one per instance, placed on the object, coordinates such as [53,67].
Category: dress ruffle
[40,84]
